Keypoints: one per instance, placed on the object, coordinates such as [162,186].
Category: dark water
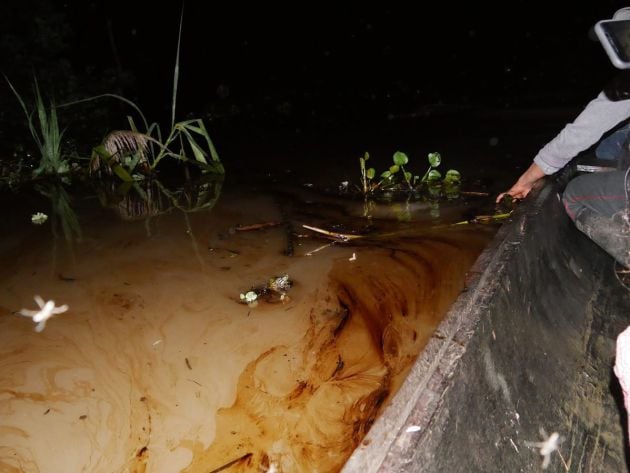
[157,365]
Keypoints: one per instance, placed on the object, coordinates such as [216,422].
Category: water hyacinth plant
[398,178]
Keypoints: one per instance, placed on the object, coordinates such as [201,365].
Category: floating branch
[256,226]
[334,235]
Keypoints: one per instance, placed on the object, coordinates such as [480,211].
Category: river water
[158,366]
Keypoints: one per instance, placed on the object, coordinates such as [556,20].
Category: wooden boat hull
[528,346]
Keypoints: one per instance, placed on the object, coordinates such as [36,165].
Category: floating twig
[327,245]
[475,194]
[247,456]
[486,219]
[333,235]
[256,226]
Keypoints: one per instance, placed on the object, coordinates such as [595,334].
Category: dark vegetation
[261,75]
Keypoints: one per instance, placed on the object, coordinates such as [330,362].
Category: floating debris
[249,297]
[327,245]
[46,311]
[333,235]
[486,219]
[275,290]
[39,218]
[549,445]
[242,459]
[280,283]
[256,226]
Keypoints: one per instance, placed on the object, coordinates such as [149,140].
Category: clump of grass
[44,127]
[128,153]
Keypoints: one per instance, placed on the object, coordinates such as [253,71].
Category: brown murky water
[158,367]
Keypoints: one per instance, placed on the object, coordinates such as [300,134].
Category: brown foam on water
[156,367]
[306,406]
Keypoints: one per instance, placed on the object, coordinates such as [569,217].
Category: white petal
[61,309]
[28,313]
[40,301]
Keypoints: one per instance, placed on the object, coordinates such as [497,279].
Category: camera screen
[618,34]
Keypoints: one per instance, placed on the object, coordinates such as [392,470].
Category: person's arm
[524,184]
[600,115]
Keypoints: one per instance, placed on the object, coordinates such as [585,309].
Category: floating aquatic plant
[398,178]
[39,218]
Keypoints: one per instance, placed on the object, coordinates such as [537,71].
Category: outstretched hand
[524,185]
[517,192]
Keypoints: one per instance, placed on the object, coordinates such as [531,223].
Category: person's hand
[525,183]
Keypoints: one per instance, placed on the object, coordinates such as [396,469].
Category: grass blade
[176,71]
[114,96]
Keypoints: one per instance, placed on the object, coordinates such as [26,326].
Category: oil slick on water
[158,367]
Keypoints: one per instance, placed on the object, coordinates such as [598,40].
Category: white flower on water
[46,311]
[549,445]
[39,218]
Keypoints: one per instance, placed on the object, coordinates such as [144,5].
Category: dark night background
[267,73]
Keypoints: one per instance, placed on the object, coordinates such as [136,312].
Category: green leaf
[213,152]
[200,154]
[386,174]
[408,176]
[434,159]
[176,69]
[117,168]
[451,191]
[394,169]
[452,176]
[117,97]
[371,173]
[400,158]
[132,124]
[434,175]
[122,173]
